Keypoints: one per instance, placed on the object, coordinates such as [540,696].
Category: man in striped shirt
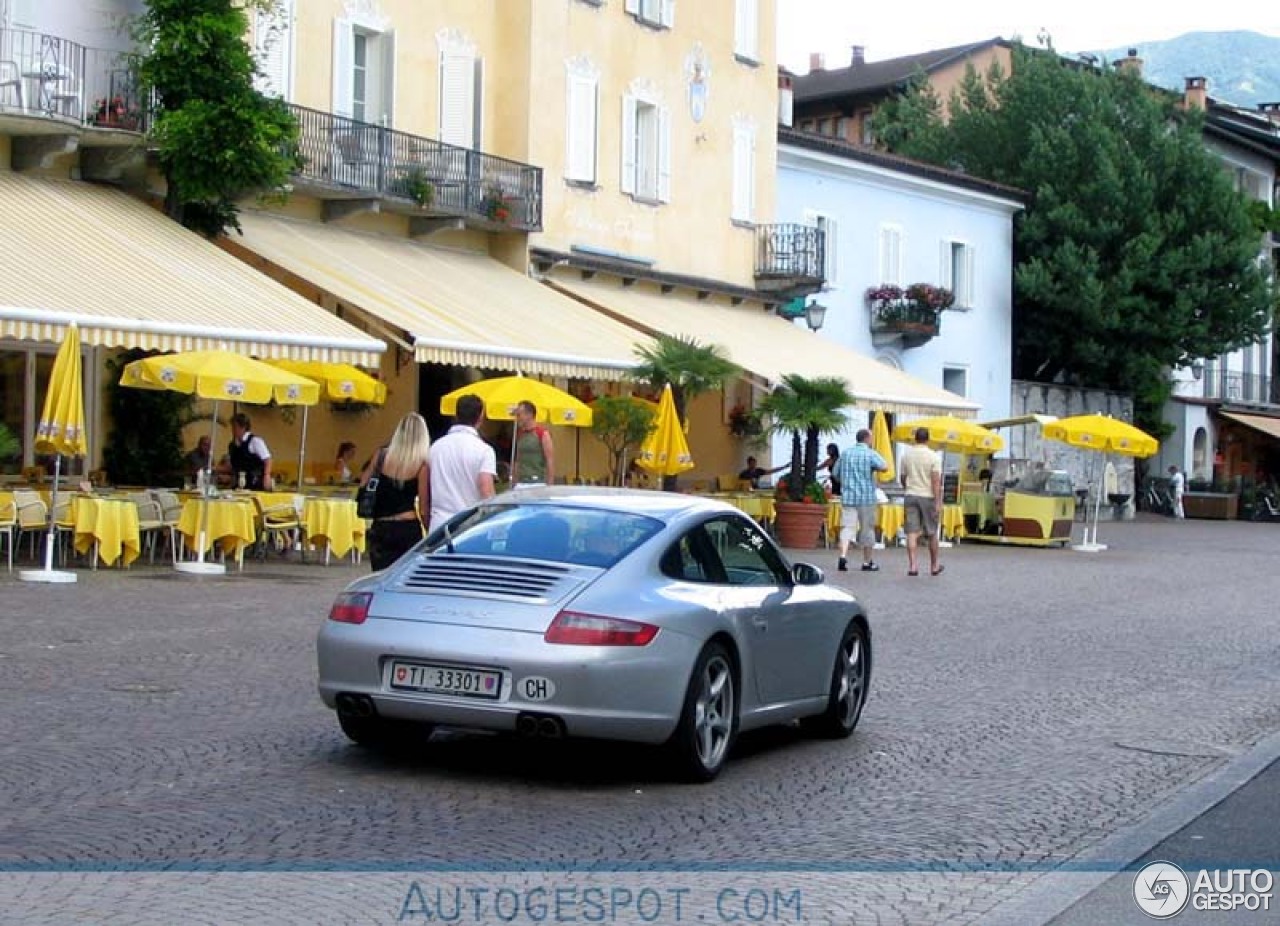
[856,471]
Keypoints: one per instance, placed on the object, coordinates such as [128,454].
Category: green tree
[806,409]
[619,424]
[689,367]
[1135,252]
[9,445]
[144,446]
[219,139]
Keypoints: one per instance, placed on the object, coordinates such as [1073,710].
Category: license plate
[446,680]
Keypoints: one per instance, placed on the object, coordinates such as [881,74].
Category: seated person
[342,464]
[198,460]
[753,472]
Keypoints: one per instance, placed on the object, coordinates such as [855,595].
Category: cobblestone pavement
[1025,705]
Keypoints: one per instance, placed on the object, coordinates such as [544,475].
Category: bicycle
[1157,498]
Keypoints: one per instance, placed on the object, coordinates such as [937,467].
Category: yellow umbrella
[882,445]
[219,375]
[341,383]
[665,451]
[952,434]
[501,395]
[1105,435]
[61,433]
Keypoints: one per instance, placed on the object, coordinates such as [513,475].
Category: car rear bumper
[622,693]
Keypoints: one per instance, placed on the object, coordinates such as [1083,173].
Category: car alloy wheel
[709,720]
[848,692]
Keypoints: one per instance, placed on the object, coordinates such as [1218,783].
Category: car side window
[748,556]
[691,559]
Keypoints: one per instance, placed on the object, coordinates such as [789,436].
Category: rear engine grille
[491,577]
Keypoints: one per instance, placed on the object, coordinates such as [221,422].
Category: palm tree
[808,407]
[690,368]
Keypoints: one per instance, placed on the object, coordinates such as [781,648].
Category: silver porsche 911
[610,613]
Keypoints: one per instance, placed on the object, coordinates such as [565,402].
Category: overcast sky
[891,28]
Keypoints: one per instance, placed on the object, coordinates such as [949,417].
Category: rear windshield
[562,534]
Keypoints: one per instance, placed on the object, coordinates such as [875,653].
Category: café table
[109,526]
[230,524]
[979,505]
[756,505]
[334,524]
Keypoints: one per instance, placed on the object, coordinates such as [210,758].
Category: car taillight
[575,629]
[351,607]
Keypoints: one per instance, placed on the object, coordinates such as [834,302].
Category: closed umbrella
[218,376]
[341,382]
[665,452]
[881,444]
[61,432]
[1105,435]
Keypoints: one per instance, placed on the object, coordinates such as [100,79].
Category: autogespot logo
[1161,889]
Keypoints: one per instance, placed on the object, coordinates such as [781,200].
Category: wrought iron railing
[790,252]
[440,178]
[55,78]
[1230,386]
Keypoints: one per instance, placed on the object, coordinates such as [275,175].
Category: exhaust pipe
[354,705]
[543,726]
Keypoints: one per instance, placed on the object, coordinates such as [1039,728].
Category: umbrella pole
[48,573]
[200,567]
[302,446]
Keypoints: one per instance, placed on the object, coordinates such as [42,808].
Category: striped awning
[453,306]
[129,277]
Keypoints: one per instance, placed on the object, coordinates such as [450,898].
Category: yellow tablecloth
[758,506]
[953,521]
[982,504]
[890,519]
[230,521]
[111,523]
[333,522]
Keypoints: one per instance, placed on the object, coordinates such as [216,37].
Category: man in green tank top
[535,453]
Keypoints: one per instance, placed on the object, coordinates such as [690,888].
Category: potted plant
[414,185]
[620,424]
[743,423]
[116,112]
[496,205]
[806,409]
[913,310]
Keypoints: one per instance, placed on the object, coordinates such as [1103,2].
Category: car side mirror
[807,574]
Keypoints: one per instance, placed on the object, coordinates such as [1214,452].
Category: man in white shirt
[922,479]
[463,465]
[1177,485]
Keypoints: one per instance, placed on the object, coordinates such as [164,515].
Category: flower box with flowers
[117,113]
[743,423]
[497,206]
[914,310]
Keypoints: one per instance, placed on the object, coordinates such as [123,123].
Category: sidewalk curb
[1098,864]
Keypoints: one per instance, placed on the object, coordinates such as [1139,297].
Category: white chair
[66,97]
[8,524]
[170,514]
[32,516]
[150,520]
[11,77]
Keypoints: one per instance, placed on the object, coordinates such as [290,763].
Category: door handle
[761,623]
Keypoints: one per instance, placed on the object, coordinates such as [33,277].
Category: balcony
[1228,386]
[57,95]
[790,259]
[908,323]
[357,166]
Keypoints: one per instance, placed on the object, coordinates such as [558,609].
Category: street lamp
[815,313]
[1197,368]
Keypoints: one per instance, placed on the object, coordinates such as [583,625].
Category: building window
[842,128]
[866,136]
[956,380]
[24,383]
[661,13]
[461,91]
[273,49]
[582,108]
[891,248]
[746,30]
[646,148]
[830,246]
[363,72]
[744,172]
[957,271]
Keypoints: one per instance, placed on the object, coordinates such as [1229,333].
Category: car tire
[708,718]
[383,733]
[848,693]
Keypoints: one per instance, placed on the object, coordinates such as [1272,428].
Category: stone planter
[1218,506]
[797,525]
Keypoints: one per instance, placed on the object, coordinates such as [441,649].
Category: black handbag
[367,496]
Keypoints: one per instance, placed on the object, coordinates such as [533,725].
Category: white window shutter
[746,28]
[744,142]
[477,101]
[388,43]
[970,258]
[580,139]
[273,49]
[628,181]
[946,269]
[632,7]
[457,98]
[668,14]
[343,64]
[891,256]
[664,154]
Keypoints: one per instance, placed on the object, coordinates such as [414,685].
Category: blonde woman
[402,489]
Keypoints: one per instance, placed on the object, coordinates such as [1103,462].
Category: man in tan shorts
[922,480]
